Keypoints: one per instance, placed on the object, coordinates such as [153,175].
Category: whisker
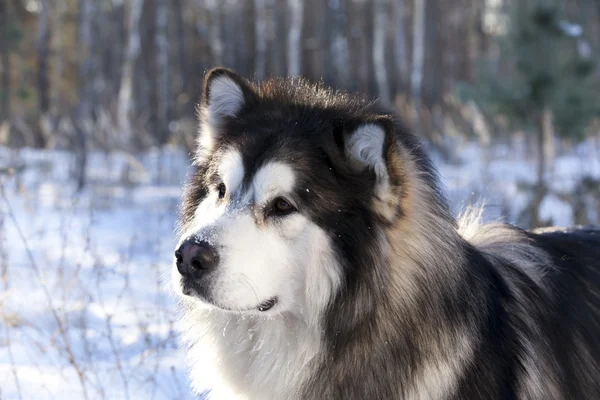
[252,287]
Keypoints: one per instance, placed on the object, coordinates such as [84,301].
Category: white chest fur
[248,357]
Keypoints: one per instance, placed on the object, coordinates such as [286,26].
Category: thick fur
[381,293]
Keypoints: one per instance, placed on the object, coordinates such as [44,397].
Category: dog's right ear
[225,95]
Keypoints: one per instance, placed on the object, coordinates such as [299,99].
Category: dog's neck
[399,331]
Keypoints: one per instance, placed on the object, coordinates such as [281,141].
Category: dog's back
[574,290]
[545,341]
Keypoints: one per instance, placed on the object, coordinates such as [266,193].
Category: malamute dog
[318,259]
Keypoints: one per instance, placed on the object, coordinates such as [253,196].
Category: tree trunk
[214,31]
[240,39]
[5,63]
[276,37]
[339,72]
[165,107]
[181,43]
[545,135]
[202,24]
[125,101]
[43,49]
[81,153]
[432,85]
[230,25]
[260,61]
[418,54]
[380,24]
[313,59]
[548,124]
[400,46]
[296,12]
[477,37]
[56,74]
[110,31]
[361,57]
[82,121]
[86,67]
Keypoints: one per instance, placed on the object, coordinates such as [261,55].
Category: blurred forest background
[97,122]
[126,74]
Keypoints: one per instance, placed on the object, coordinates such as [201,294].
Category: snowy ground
[83,310]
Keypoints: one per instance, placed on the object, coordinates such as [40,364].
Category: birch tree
[214,31]
[296,13]
[58,44]
[313,41]
[82,122]
[86,48]
[361,45]
[43,50]
[4,62]
[181,43]
[125,100]
[418,52]
[163,68]
[380,17]
[230,25]
[276,36]
[337,22]
[400,53]
[260,39]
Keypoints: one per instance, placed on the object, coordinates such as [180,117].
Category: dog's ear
[372,145]
[225,96]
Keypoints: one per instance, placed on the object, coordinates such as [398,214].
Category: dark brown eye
[222,190]
[282,207]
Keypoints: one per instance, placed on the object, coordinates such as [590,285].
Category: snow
[85,309]
[570,29]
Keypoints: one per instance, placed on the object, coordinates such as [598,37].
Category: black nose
[196,258]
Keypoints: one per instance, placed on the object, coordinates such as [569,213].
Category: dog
[318,259]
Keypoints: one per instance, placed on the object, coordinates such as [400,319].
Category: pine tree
[550,87]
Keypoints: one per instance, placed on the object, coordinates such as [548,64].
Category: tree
[418,55]
[125,100]
[260,65]
[361,21]
[86,38]
[4,62]
[380,24]
[400,52]
[314,39]
[294,61]
[43,48]
[339,68]
[163,66]
[550,85]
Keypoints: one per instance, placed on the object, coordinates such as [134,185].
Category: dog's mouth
[262,307]
[194,292]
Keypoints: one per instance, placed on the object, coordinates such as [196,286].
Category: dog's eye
[222,190]
[281,207]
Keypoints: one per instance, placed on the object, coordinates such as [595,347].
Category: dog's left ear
[225,96]
[372,145]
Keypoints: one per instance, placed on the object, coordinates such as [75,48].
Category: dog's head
[292,183]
